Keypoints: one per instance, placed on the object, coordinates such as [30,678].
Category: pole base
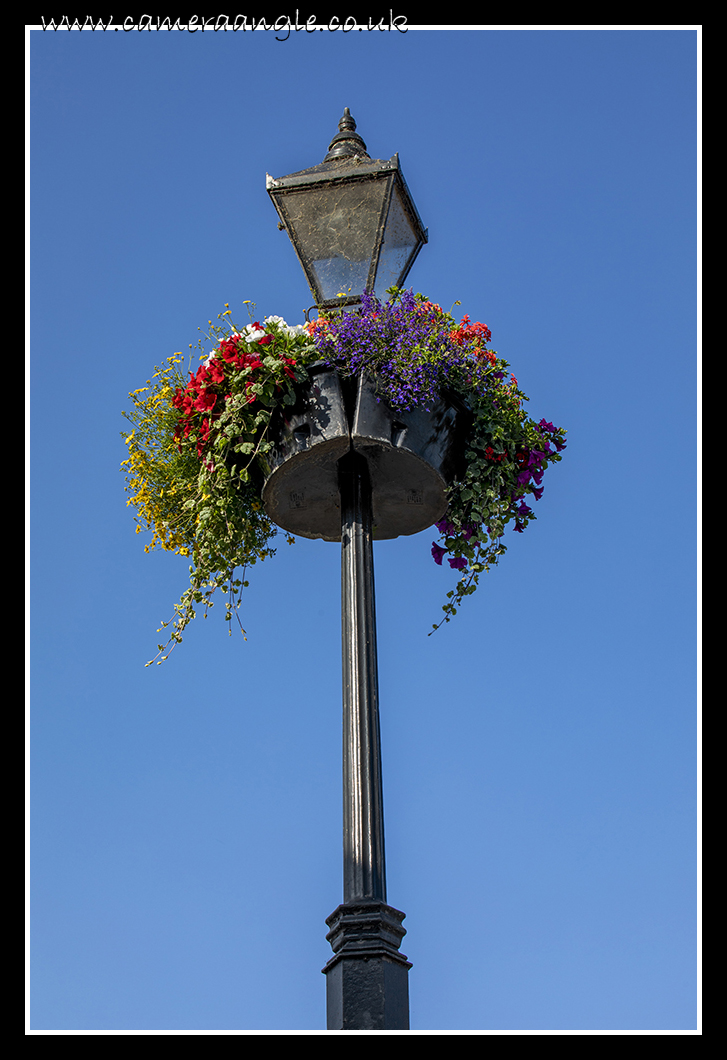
[367,979]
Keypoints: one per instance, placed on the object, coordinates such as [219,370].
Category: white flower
[251,333]
[293,330]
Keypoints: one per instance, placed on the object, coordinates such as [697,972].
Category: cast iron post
[367,978]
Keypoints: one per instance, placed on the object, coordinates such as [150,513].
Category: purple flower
[387,338]
[459,563]
[445,528]
[523,478]
[538,493]
[438,553]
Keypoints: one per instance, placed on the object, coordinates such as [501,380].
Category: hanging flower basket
[249,444]
[412,456]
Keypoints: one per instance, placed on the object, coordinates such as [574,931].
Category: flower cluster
[159,476]
[417,351]
[408,342]
[241,363]
[193,451]
[475,337]
[196,444]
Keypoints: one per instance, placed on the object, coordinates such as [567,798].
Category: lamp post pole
[364,864]
[355,229]
[367,978]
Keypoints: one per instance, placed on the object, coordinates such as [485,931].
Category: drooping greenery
[191,453]
[195,443]
[418,351]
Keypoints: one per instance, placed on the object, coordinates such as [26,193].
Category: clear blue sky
[540,751]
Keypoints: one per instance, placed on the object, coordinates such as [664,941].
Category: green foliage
[184,474]
[193,472]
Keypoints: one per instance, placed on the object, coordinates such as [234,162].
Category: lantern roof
[347,157]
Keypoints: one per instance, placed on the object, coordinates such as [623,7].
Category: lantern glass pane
[336,228]
[400,242]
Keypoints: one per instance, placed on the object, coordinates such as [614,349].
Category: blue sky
[541,751]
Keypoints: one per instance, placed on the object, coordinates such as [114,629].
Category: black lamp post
[347,468]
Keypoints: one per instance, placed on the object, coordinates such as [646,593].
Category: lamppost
[346,468]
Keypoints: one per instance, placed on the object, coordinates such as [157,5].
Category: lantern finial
[347,142]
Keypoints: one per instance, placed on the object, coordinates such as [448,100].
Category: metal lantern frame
[347,166]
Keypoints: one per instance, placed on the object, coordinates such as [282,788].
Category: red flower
[467,332]
[229,351]
[205,401]
[216,371]
[203,436]
[202,377]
